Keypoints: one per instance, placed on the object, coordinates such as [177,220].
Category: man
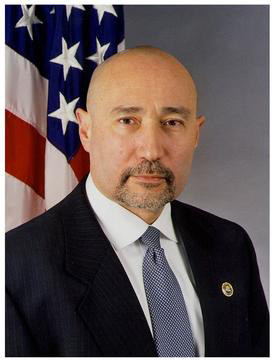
[120,268]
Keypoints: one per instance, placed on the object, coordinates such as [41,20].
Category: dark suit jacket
[68,294]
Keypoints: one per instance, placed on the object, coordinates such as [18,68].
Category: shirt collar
[121,226]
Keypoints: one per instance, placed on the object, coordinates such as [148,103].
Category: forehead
[143,79]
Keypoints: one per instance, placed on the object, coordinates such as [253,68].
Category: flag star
[67,58]
[52,11]
[65,112]
[69,9]
[28,19]
[101,9]
[98,57]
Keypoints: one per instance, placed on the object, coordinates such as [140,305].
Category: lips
[149,178]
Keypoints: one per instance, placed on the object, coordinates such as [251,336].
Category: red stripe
[80,163]
[25,153]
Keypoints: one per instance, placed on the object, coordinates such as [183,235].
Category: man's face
[143,131]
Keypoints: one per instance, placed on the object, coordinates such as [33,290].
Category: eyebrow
[127,109]
[180,110]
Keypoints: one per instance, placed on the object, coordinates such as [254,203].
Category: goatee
[148,200]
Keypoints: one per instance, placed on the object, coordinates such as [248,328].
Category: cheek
[181,151]
[109,153]
[181,163]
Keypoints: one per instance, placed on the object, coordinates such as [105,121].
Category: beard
[147,200]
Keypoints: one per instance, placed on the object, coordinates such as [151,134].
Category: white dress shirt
[123,229]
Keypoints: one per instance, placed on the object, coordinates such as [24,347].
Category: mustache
[147,167]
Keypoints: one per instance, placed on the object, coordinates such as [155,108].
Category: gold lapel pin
[227,289]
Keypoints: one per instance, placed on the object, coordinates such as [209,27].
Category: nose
[150,143]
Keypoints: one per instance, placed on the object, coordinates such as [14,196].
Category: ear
[84,121]
[199,122]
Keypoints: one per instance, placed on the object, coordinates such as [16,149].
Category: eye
[126,121]
[173,123]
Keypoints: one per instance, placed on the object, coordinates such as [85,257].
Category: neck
[148,216]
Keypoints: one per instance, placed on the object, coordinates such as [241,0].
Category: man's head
[140,129]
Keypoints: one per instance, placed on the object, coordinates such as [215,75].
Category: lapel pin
[227,289]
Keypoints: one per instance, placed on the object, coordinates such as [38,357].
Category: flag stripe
[59,176]
[21,201]
[80,163]
[25,150]
[26,90]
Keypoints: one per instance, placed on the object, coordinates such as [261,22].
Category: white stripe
[22,203]
[26,91]
[60,179]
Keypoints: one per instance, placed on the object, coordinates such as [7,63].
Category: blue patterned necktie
[170,320]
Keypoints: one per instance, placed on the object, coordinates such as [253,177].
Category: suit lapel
[218,311]
[112,312]
[110,308]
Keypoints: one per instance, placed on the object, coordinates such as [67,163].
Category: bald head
[142,61]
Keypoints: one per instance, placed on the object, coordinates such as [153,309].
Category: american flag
[51,52]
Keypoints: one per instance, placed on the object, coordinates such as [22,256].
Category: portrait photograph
[137,180]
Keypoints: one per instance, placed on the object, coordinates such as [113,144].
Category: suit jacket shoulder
[206,220]
[218,235]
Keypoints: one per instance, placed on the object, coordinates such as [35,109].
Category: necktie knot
[151,237]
